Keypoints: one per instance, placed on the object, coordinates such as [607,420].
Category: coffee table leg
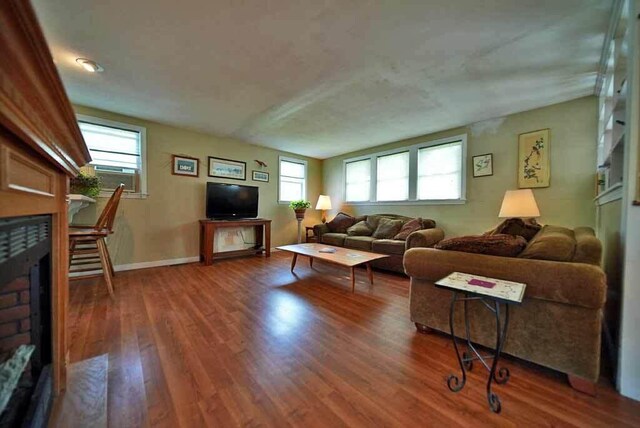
[310,262]
[353,279]
[293,261]
[370,272]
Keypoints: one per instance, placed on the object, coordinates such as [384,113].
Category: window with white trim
[292,184]
[440,172]
[117,153]
[392,181]
[357,180]
[432,172]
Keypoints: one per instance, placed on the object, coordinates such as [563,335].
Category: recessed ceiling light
[90,66]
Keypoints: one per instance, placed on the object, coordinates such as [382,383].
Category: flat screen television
[229,201]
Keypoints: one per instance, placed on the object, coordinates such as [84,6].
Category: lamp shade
[324,203]
[519,203]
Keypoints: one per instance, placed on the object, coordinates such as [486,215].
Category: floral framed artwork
[185,165]
[533,159]
[227,168]
[260,176]
[483,165]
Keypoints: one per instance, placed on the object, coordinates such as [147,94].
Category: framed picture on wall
[184,165]
[483,165]
[260,176]
[533,159]
[227,168]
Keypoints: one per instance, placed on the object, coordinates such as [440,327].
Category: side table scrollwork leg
[453,381]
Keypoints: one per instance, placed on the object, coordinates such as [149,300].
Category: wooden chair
[87,244]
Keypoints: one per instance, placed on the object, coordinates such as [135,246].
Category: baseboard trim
[146,265]
[141,265]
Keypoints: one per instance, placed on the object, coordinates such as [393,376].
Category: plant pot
[300,213]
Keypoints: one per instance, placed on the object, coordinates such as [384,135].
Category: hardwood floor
[246,342]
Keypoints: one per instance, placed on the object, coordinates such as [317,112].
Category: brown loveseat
[558,324]
[340,235]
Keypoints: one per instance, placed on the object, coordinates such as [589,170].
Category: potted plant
[299,207]
[85,184]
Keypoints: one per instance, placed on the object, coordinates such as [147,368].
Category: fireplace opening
[25,321]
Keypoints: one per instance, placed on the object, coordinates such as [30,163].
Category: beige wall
[568,201]
[164,226]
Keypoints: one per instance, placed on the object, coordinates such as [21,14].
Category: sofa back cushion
[588,247]
[551,243]
[340,223]
[387,228]
[495,245]
[408,228]
[360,229]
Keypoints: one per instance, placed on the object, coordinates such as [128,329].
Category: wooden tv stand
[208,231]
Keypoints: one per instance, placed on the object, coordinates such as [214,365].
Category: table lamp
[519,203]
[324,203]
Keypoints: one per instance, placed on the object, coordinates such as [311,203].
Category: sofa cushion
[388,246]
[359,242]
[332,238]
[495,245]
[387,228]
[588,247]
[516,226]
[340,223]
[408,228]
[551,243]
[360,229]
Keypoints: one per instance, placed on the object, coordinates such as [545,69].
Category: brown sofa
[558,324]
[428,236]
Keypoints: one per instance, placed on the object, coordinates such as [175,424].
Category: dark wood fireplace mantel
[40,148]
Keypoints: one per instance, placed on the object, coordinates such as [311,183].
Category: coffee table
[342,256]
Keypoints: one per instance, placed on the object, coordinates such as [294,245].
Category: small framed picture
[227,168]
[184,165]
[483,165]
[260,176]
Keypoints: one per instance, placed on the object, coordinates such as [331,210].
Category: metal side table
[491,293]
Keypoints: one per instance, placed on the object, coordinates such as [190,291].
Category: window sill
[429,202]
[125,195]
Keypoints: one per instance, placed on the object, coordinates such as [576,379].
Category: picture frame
[534,159]
[482,165]
[227,168]
[185,166]
[260,176]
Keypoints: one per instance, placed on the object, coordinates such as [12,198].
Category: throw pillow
[495,245]
[340,223]
[359,229]
[387,228]
[517,226]
[408,228]
[427,223]
[372,221]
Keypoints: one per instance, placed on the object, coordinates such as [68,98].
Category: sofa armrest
[320,229]
[424,238]
[577,284]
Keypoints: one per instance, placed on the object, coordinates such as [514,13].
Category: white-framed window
[440,172]
[392,179]
[118,154]
[431,172]
[357,175]
[292,180]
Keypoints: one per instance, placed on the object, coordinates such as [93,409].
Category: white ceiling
[322,78]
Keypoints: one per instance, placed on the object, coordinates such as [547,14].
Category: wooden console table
[208,231]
